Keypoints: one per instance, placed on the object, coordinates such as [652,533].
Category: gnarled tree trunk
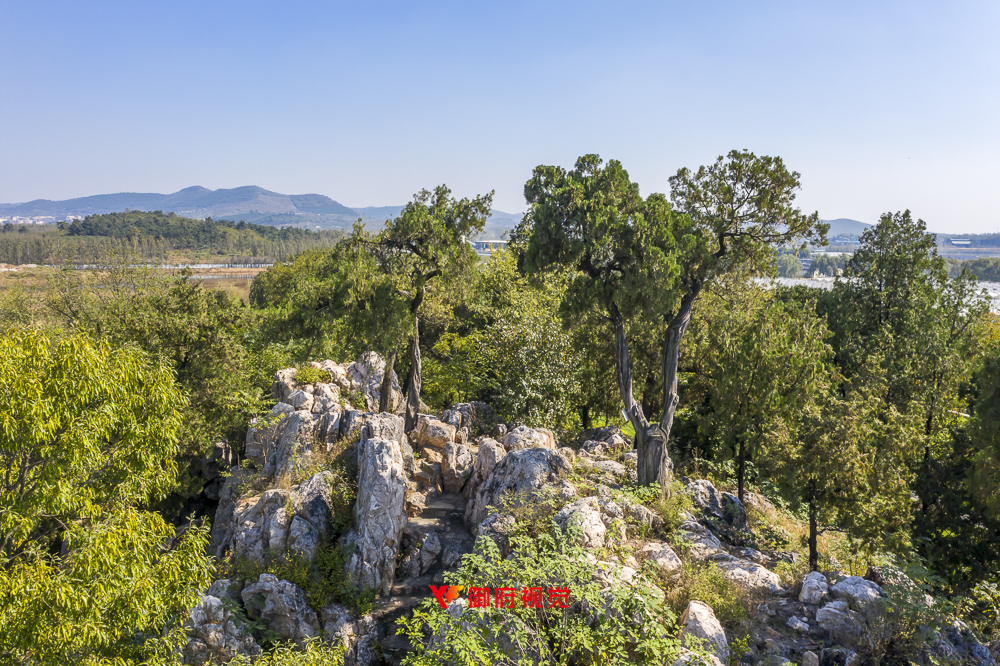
[385,392]
[649,448]
[413,380]
[671,358]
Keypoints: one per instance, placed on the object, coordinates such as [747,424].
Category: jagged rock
[523,437]
[281,607]
[703,545]
[222,523]
[284,384]
[429,552]
[814,588]
[385,426]
[520,473]
[839,657]
[611,436]
[365,375]
[358,637]
[280,521]
[586,513]
[489,454]
[282,448]
[841,624]
[689,658]
[719,510]
[456,467]
[499,430]
[429,477]
[228,591]
[352,422]
[810,658]
[699,621]
[215,634]
[750,574]
[857,590]
[497,527]
[613,468]
[798,625]
[662,554]
[452,418]
[299,399]
[956,643]
[380,514]
[434,433]
[326,398]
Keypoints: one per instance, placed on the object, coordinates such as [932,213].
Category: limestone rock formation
[281,606]
[215,634]
[699,621]
[520,473]
[380,514]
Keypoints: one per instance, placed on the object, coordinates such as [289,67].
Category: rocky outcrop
[702,545]
[434,434]
[720,512]
[380,515]
[842,625]
[814,588]
[662,555]
[523,437]
[489,454]
[281,606]
[456,466]
[215,633]
[699,621]
[956,643]
[278,522]
[519,473]
[857,591]
[363,378]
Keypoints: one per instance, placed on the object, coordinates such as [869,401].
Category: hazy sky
[880,105]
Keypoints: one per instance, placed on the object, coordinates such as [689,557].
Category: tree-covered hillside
[157,236]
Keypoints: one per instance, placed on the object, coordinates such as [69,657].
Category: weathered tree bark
[671,357]
[813,529]
[413,385]
[585,419]
[649,448]
[385,391]
[741,468]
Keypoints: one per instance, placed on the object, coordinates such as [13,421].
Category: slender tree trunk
[413,385]
[385,392]
[671,358]
[649,453]
[585,419]
[813,529]
[741,468]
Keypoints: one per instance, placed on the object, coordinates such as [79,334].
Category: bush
[313,653]
[623,624]
[307,374]
[705,583]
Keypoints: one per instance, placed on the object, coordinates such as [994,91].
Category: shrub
[313,653]
[705,583]
[308,374]
[620,624]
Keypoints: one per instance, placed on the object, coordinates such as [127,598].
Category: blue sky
[881,106]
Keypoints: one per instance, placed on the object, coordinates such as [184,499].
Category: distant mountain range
[843,226]
[250,203]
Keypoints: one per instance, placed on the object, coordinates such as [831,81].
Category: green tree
[789,266]
[761,362]
[424,246]
[641,264]
[824,264]
[87,434]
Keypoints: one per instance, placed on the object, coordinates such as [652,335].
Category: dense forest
[157,236]
[865,415]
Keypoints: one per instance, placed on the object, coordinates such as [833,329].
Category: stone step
[415,585]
